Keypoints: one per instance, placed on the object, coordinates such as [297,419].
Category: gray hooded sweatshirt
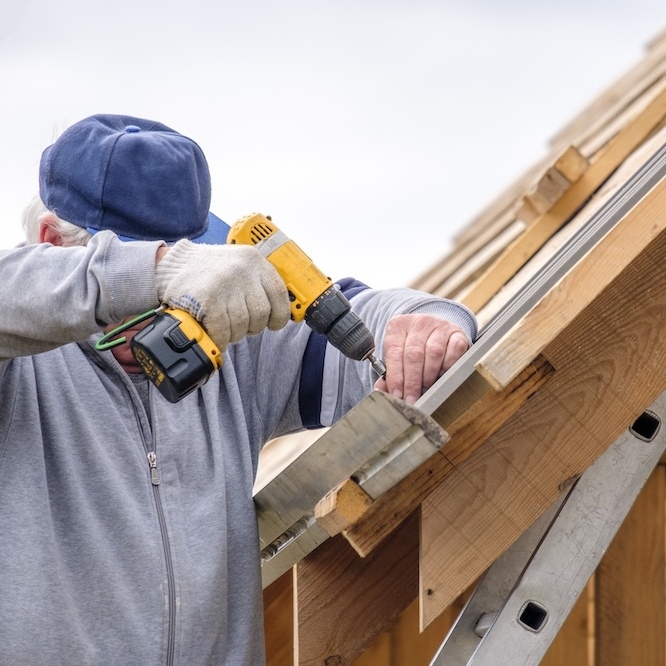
[102,560]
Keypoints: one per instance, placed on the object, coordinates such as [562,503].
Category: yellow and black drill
[179,356]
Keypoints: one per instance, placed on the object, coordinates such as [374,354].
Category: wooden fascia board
[610,365]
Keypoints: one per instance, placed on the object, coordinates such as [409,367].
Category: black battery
[175,363]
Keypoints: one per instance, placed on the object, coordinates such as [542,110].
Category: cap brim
[217,231]
[216,234]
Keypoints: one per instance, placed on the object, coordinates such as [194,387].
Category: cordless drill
[179,356]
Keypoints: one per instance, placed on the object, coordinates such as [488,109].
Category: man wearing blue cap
[127,522]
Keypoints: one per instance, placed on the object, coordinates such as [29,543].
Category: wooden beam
[479,261]
[504,203]
[444,277]
[279,621]
[472,414]
[601,167]
[342,507]
[630,582]
[336,620]
[610,365]
[360,436]
[566,170]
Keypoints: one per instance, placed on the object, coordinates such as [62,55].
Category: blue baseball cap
[136,177]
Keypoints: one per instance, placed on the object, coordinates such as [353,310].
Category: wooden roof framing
[541,404]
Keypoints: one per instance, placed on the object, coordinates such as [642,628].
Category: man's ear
[49,232]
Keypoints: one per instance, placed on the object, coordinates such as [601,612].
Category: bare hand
[418,350]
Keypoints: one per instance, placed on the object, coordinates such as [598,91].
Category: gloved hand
[232,290]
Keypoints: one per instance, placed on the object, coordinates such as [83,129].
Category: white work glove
[232,290]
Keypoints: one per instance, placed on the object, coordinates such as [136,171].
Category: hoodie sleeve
[51,296]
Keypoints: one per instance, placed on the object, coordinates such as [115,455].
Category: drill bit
[377,365]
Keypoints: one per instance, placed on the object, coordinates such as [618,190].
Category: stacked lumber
[584,253]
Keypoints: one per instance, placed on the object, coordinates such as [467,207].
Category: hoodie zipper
[151,456]
[155,482]
[171,581]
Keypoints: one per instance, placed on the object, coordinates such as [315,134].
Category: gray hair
[34,214]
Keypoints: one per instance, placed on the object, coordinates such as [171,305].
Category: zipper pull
[152,461]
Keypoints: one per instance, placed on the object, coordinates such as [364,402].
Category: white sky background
[371,131]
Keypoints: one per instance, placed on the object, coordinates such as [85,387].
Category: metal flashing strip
[599,225]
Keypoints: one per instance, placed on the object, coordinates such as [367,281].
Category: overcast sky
[371,131]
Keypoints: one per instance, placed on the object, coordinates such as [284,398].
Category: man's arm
[54,295]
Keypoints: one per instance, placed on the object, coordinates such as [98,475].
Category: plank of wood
[571,645]
[472,414]
[482,229]
[630,583]
[597,140]
[279,621]
[601,167]
[444,272]
[505,201]
[566,170]
[336,623]
[579,287]
[378,443]
[566,235]
[610,364]
[360,436]
[478,262]
[342,507]
[571,164]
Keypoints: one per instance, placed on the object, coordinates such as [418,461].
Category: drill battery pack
[176,353]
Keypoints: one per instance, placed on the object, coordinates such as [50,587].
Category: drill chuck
[351,336]
[332,316]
